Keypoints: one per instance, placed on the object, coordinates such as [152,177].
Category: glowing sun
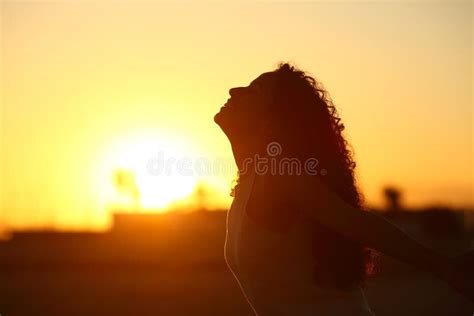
[147,173]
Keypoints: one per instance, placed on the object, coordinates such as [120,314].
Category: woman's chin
[217,118]
[223,121]
[221,117]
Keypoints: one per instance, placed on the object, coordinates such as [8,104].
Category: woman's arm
[370,229]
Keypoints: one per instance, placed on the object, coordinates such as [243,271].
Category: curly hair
[306,123]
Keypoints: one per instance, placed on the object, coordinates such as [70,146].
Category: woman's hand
[460,274]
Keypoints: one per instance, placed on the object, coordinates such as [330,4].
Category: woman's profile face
[244,113]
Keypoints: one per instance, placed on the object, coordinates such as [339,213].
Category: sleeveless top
[274,270]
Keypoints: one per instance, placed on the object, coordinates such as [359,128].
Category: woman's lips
[229,102]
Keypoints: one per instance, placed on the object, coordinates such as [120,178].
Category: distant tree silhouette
[125,184]
[392,198]
[201,196]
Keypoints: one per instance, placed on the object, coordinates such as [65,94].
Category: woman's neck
[245,160]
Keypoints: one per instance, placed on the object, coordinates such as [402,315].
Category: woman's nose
[234,91]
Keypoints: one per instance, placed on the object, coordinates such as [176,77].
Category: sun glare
[150,173]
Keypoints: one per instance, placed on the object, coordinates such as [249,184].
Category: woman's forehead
[266,79]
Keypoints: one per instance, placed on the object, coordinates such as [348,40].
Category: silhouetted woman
[296,231]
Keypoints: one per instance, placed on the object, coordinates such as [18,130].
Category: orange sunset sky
[91,87]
